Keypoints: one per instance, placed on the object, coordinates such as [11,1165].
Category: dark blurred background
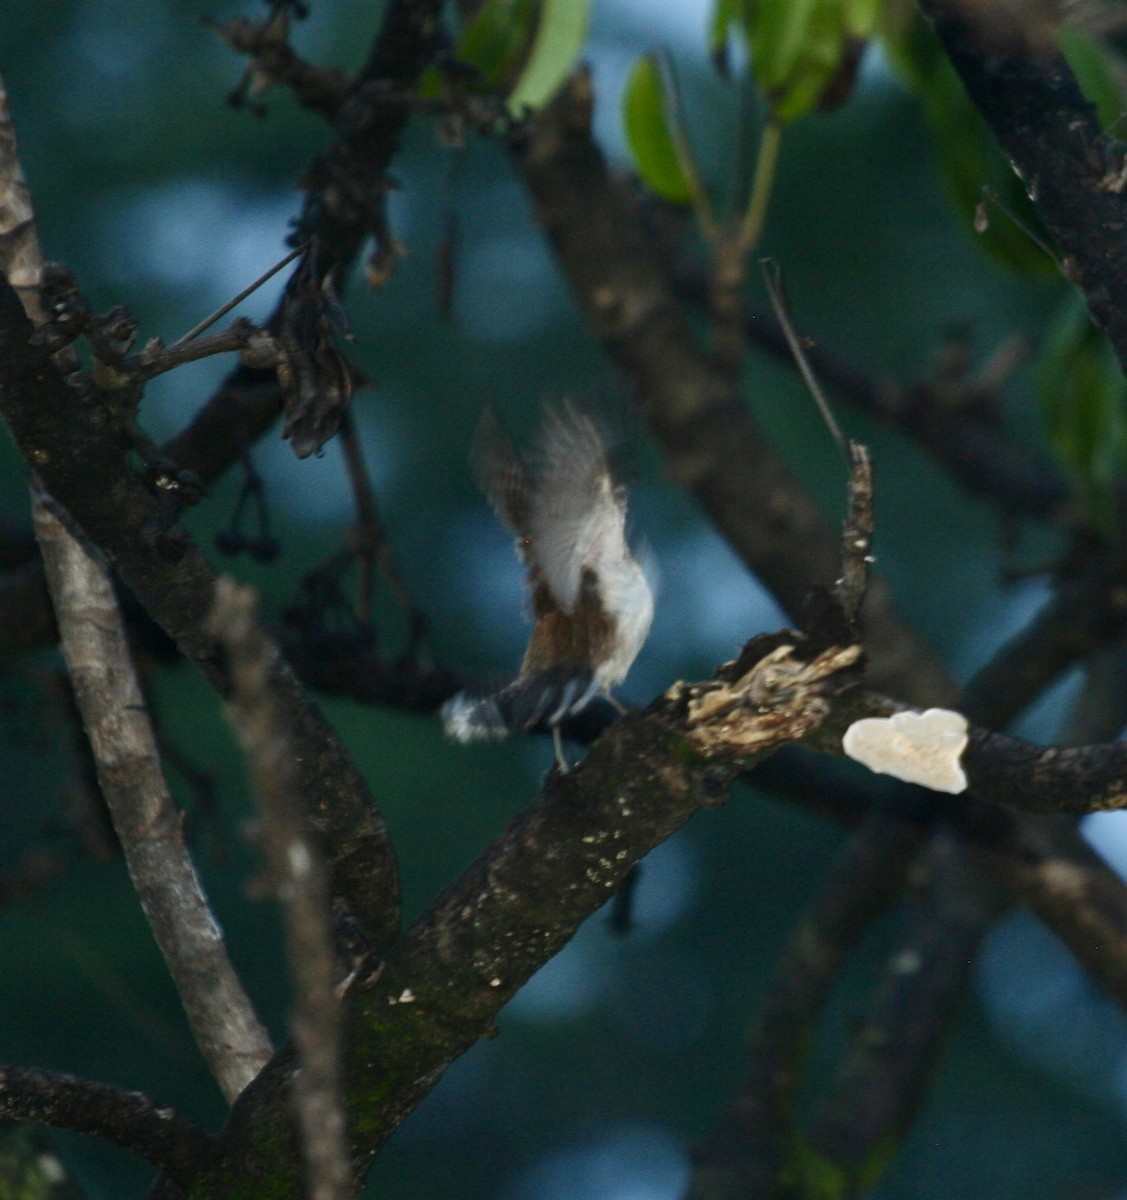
[621,1051]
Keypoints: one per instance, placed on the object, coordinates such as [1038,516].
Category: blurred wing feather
[501,473]
[575,518]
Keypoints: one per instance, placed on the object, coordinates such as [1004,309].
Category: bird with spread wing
[591,603]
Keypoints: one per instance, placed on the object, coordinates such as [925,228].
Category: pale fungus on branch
[923,748]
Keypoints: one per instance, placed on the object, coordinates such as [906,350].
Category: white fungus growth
[922,748]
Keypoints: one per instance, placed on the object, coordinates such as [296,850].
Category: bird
[592,605]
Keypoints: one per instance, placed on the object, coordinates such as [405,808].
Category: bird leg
[557,742]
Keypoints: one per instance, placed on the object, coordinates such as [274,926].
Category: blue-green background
[620,1053]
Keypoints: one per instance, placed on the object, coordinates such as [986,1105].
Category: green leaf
[1091,63]
[497,40]
[561,34]
[862,16]
[645,113]
[1084,401]
[799,48]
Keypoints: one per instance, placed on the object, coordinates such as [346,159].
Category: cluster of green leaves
[801,55]
[798,48]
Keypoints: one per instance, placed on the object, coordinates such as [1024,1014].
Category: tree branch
[1073,172]
[894,1047]
[148,823]
[76,449]
[749,1151]
[126,1119]
[1004,770]
[297,878]
[962,436]
[1083,615]
[442,985]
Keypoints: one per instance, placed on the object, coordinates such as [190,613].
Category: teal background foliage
[620,1053]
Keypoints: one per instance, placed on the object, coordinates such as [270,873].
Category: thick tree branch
[1074,173]
[126,1119]
[1005,770]
[442,985]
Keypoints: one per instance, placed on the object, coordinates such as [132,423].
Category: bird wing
[502,475]
[575,517]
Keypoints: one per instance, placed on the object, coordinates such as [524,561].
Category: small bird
[591,603]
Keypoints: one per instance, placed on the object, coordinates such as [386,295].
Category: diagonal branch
[126,1119]
[748,1151]
[893,1049]
[443,984]
[147,821]
[1072,170]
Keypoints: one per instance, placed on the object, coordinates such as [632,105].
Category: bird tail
[469,718]
[543,698]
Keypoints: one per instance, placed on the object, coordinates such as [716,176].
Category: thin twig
[988,193]
[224,309]
[157,359]
[296,875]
[370,534]
[857,536]
[773,277]
[686,156]
[763,181]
